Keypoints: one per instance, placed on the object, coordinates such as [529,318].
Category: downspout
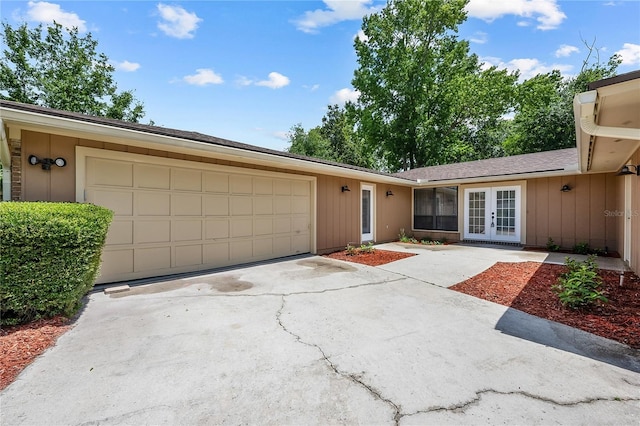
[5,159]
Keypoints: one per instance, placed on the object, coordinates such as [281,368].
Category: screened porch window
[435,209]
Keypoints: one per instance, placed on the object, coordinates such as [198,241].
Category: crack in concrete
[462,407]
[351,377]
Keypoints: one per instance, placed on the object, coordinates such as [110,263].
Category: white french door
[366,207]
[626,252]
[492,214]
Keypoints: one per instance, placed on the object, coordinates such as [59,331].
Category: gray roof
[180,134]
[549,161]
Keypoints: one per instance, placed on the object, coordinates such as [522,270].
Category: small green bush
[403,237]
[367,248]
[50,256]
[579,286]
[582,248]
[551,245]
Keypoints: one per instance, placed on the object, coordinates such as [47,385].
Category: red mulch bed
[374,258]
[526,286]
[20,345]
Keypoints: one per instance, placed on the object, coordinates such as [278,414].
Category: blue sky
[249,70]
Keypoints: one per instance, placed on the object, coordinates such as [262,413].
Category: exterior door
[492,214]
[366,207]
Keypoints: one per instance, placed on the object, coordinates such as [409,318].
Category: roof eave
[568,171]
[30,120]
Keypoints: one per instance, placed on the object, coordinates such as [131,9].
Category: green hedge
[49,257]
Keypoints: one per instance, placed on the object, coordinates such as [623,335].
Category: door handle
[492,219]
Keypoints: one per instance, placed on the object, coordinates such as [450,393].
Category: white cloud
[546,12]
[361,36]
[177,22]
[311,88]
[48,12]
[630,54]
[204,76]
[345,95]
[528,67]
[479,37]
[566,50]
[281,134]
[126,66]
[275,81]
[243,81]
[335,11]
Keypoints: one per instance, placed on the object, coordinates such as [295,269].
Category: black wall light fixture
[565,188]
[47,162]
[626,170]
[389,193]
[345,188]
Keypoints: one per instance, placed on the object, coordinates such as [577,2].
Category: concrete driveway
[317,341]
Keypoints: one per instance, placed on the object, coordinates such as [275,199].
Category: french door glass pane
[477,212]
[506,213]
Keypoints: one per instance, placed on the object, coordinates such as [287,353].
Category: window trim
[413,207]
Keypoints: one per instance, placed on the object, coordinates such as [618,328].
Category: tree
[422,94]
[544,117]
[337,129]
[310,144]
[59,69]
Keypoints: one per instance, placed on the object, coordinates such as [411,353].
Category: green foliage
[403,237]
[367,248]
[579,286]
[582,248]
[50,257]
[431,242]
[351,250]
[551,245]
[423,96]
[59,69]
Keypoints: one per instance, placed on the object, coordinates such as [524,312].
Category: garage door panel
[299,224]
[240,184]
[152,177]
[263,205]
[151,259]
[216,206]
[282,244]
[180,218]
[120,202]
[299,205]
[300,188]
[117,262]
[241,228]
[188,255]
[241,206]
[216,182]
[110,173]
[263,226]
[216,254]
[217,229]
[186,205]
[152,231]
[187,230]
[282,187]
[282,225]
[153,203]
[283,205]
[186,180]
[262,186]
[263,248]
[300,243]
[120,232]
[241,250]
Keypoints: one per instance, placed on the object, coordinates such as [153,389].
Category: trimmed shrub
[579,287]
[49,257]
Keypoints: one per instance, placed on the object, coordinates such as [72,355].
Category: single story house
[185,201]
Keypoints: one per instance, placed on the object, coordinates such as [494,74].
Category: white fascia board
[33,121]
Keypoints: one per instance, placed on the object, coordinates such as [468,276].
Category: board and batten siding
[576,216]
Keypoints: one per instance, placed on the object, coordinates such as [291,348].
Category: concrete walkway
[318,341]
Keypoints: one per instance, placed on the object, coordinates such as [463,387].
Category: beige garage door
[176,216]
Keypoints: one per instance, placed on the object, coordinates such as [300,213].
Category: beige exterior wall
[576,216]
[338,213]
